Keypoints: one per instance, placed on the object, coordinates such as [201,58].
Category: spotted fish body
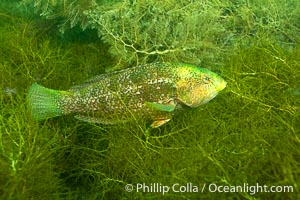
[152,91]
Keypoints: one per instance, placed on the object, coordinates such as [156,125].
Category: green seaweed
[184,31]
[248,134]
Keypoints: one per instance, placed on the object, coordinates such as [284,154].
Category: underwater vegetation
[248,134]
[176,31]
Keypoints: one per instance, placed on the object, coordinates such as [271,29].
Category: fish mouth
[221,86]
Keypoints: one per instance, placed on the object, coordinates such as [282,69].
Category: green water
[246,137]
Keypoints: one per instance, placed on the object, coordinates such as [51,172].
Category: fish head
[197,86]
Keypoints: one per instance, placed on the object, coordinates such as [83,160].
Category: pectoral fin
[170,107]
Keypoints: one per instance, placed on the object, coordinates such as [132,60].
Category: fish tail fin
[44,102]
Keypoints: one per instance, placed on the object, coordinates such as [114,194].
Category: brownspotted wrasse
[152,91]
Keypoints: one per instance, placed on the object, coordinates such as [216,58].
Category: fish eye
[206,79]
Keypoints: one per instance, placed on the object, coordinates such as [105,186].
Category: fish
[153,91]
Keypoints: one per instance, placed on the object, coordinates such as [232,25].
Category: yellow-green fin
[158,123]
[44,102]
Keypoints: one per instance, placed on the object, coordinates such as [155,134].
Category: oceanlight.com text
[212,187]
[251,189]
